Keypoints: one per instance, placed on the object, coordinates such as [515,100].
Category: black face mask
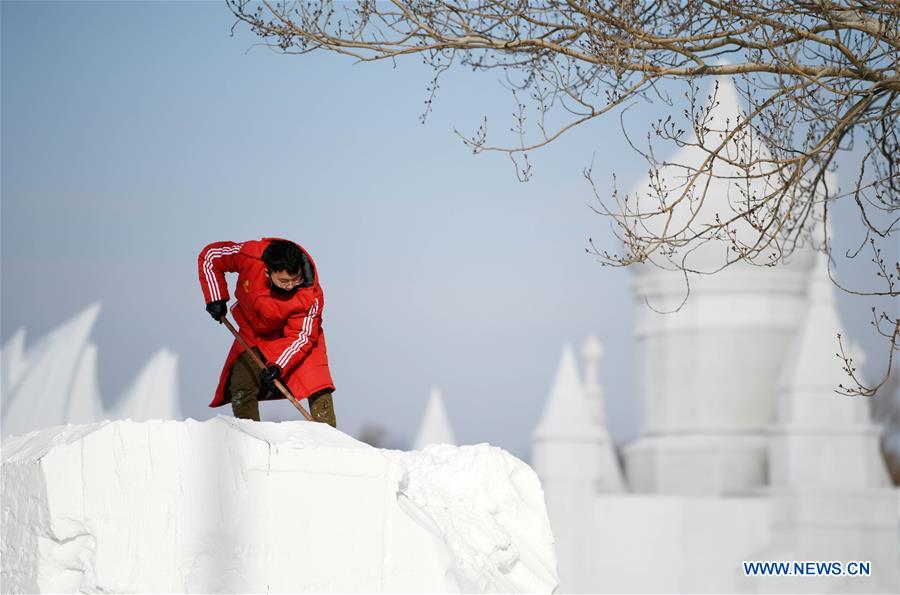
[279,291]
[283,292]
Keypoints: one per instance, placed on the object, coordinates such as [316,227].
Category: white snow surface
[230,505]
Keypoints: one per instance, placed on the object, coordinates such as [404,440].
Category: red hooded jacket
[286,329]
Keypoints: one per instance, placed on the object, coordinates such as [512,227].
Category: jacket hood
[307,266]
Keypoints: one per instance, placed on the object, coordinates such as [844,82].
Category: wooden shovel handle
[262,366]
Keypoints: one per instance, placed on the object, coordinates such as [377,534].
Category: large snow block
[231,505]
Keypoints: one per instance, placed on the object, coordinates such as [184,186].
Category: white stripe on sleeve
[302,339]
[208,268]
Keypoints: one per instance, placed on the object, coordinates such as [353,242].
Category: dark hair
[282,255]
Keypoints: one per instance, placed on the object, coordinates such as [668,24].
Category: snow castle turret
[573,456]
[435,428]
[709,368]
[566,438]
[822,439]
[828,481]
[609,475]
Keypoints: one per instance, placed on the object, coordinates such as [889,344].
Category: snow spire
[821,438]
[812,371]
[12,361]
[567,413]
[572,455]
[435,428]
[154,393]
[707,170]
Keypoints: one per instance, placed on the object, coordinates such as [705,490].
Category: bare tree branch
[817,78]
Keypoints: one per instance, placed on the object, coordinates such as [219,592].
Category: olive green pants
[245,387]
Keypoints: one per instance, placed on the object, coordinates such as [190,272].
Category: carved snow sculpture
[709,368]
[822,439]
[154,394]
[567,448]
[58,384]
[828,481]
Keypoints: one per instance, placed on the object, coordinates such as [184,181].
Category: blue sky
[135,133]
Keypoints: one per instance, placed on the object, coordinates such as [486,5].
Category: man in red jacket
[279,313]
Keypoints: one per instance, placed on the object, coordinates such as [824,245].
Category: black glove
[268,376]
[217,309]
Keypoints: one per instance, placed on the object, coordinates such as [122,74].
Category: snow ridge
[230,505]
